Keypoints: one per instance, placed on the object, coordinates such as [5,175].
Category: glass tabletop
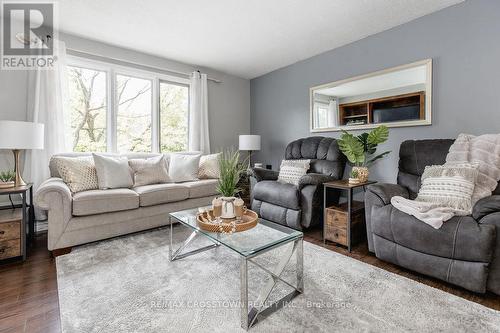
[247,243]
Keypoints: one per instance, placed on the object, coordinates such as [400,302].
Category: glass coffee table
[249,244]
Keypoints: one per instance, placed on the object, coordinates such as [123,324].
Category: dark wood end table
[28,213]
[348,210]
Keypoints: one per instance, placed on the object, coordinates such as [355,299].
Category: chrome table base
[251,315]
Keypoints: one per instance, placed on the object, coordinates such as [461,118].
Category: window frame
[112,70]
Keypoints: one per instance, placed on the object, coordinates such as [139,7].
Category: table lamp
[250,143]
[20,135]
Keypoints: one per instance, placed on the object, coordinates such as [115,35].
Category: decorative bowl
[207,221]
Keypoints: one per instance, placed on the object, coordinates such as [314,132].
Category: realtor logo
[28,35]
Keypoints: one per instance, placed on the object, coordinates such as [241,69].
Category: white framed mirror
[395,97]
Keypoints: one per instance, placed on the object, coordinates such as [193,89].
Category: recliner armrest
[486,206]
[314,179]
[385,191]
[261,174]
[378,196]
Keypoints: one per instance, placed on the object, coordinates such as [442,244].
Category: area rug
[128,284]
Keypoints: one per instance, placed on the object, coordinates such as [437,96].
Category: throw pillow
[292,170]
[149,171]
[209,166]
[449,186]
[183,167]
[483,150]
[78,173]
[112,172]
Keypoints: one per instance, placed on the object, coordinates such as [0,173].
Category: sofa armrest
[261,174]
[486,206]
[49,187]
[314,179]
[384,192]
[54,196]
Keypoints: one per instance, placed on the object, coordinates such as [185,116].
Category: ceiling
[247,38]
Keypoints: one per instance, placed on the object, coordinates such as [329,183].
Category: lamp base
[19,181]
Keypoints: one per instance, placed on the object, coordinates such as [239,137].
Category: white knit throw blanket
[483,150]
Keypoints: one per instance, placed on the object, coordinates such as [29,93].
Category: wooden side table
[15,222]
[339,220]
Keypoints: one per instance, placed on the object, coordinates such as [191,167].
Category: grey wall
[229,101]
[463,42]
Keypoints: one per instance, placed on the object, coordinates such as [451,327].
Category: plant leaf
[373,159]
[368,147]
[378,135]
[231,170]
[352,148]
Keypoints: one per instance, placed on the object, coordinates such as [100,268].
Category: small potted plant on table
[360,151]
[231,171]
[7,179]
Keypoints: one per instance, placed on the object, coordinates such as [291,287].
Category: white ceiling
[246,38]
[387,81]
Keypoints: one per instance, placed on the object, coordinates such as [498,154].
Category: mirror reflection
[399,96]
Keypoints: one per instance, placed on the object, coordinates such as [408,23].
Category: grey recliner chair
[299,206]
[465,251]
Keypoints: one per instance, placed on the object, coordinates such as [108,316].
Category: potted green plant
[360,150]
[7,179]
[231,170]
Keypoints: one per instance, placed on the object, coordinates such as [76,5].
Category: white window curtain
[333,113]
[199,138]
[47,93]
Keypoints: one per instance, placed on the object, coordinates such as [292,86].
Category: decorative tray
[207,221]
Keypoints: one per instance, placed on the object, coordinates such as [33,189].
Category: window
[120,109]
[133,125]
[88,105]
[321,116]
[174,108]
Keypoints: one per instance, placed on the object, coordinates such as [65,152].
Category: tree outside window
[174,109]
[132,121]
[87,98]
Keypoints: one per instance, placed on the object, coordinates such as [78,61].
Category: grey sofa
[299,206]
[465,251]
[88,216]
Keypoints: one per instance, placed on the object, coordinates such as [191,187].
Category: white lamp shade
[21,135]
[249,142]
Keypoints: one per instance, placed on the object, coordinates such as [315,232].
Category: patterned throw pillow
[292,170]
[449,185]
[209,166]
[79,173]
[149,171]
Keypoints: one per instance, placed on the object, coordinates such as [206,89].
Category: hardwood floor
[28,291]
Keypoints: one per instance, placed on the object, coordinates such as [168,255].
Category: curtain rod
[84,53]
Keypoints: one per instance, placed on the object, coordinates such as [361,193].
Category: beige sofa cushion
[157,194]
[104,201]
[202,188]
